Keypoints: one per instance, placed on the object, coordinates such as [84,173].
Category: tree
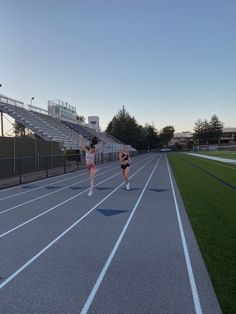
[166,135]
[19,129]
[208,132]
[215,129]
[80,118]
[150,136]
[201,131]
[125,128]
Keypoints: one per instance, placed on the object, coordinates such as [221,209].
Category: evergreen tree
[215,129]
[125,128]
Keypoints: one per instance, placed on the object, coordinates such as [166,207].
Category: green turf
[211,207]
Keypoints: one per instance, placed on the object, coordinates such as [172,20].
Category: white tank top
[89,157]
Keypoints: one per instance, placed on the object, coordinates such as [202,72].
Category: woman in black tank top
[124,158]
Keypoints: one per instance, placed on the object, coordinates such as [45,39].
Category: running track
[116,252]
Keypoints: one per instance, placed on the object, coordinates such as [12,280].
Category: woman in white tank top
[90,152]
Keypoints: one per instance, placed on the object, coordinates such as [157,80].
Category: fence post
[14,154]
[77,161]
[64,163]
[19,165]
[46,166]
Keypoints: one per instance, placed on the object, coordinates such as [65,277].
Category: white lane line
[51,193]
[40,187]
[56,191]
[114,250]
[50,209]
[46,185]
[196,300]
[29,262]
[44,179]
[55,206]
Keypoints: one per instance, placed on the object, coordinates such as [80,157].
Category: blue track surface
[115,252]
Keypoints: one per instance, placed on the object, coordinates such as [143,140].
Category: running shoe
[127,187]
[90,193]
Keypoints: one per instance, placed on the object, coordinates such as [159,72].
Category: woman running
[124,158]
[90,152]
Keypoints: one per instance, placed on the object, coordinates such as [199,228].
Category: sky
[168,62]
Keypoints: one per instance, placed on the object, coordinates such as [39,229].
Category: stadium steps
[39,125]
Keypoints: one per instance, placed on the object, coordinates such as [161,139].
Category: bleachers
[43,125]
[90,133]
[81,129]
[65,131]
[52,129]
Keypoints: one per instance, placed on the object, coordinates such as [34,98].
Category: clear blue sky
[169,62]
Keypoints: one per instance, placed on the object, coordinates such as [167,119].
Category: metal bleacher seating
[44,126]
[52,129]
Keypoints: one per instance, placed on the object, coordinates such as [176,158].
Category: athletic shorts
[124,166]
[91,166]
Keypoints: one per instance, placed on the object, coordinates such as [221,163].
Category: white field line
[62,203]
[40,187]
[30,261]
[196,300]
[219,164]
[43,186]
[226,160]
[44,179]
[56,191]
[51,178]
[115,248]
[48,194]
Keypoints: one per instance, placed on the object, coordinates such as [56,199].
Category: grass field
[208,189]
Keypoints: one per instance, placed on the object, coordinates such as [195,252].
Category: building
[183,138]
[229,136]
[93,122]
[61,110]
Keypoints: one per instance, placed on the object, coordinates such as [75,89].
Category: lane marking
[39,187]
[196,300]
[44,179]
[46,185]
[114,250]
[50,209]
[29,262]
[50,193]
[62,203]
[226,160]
